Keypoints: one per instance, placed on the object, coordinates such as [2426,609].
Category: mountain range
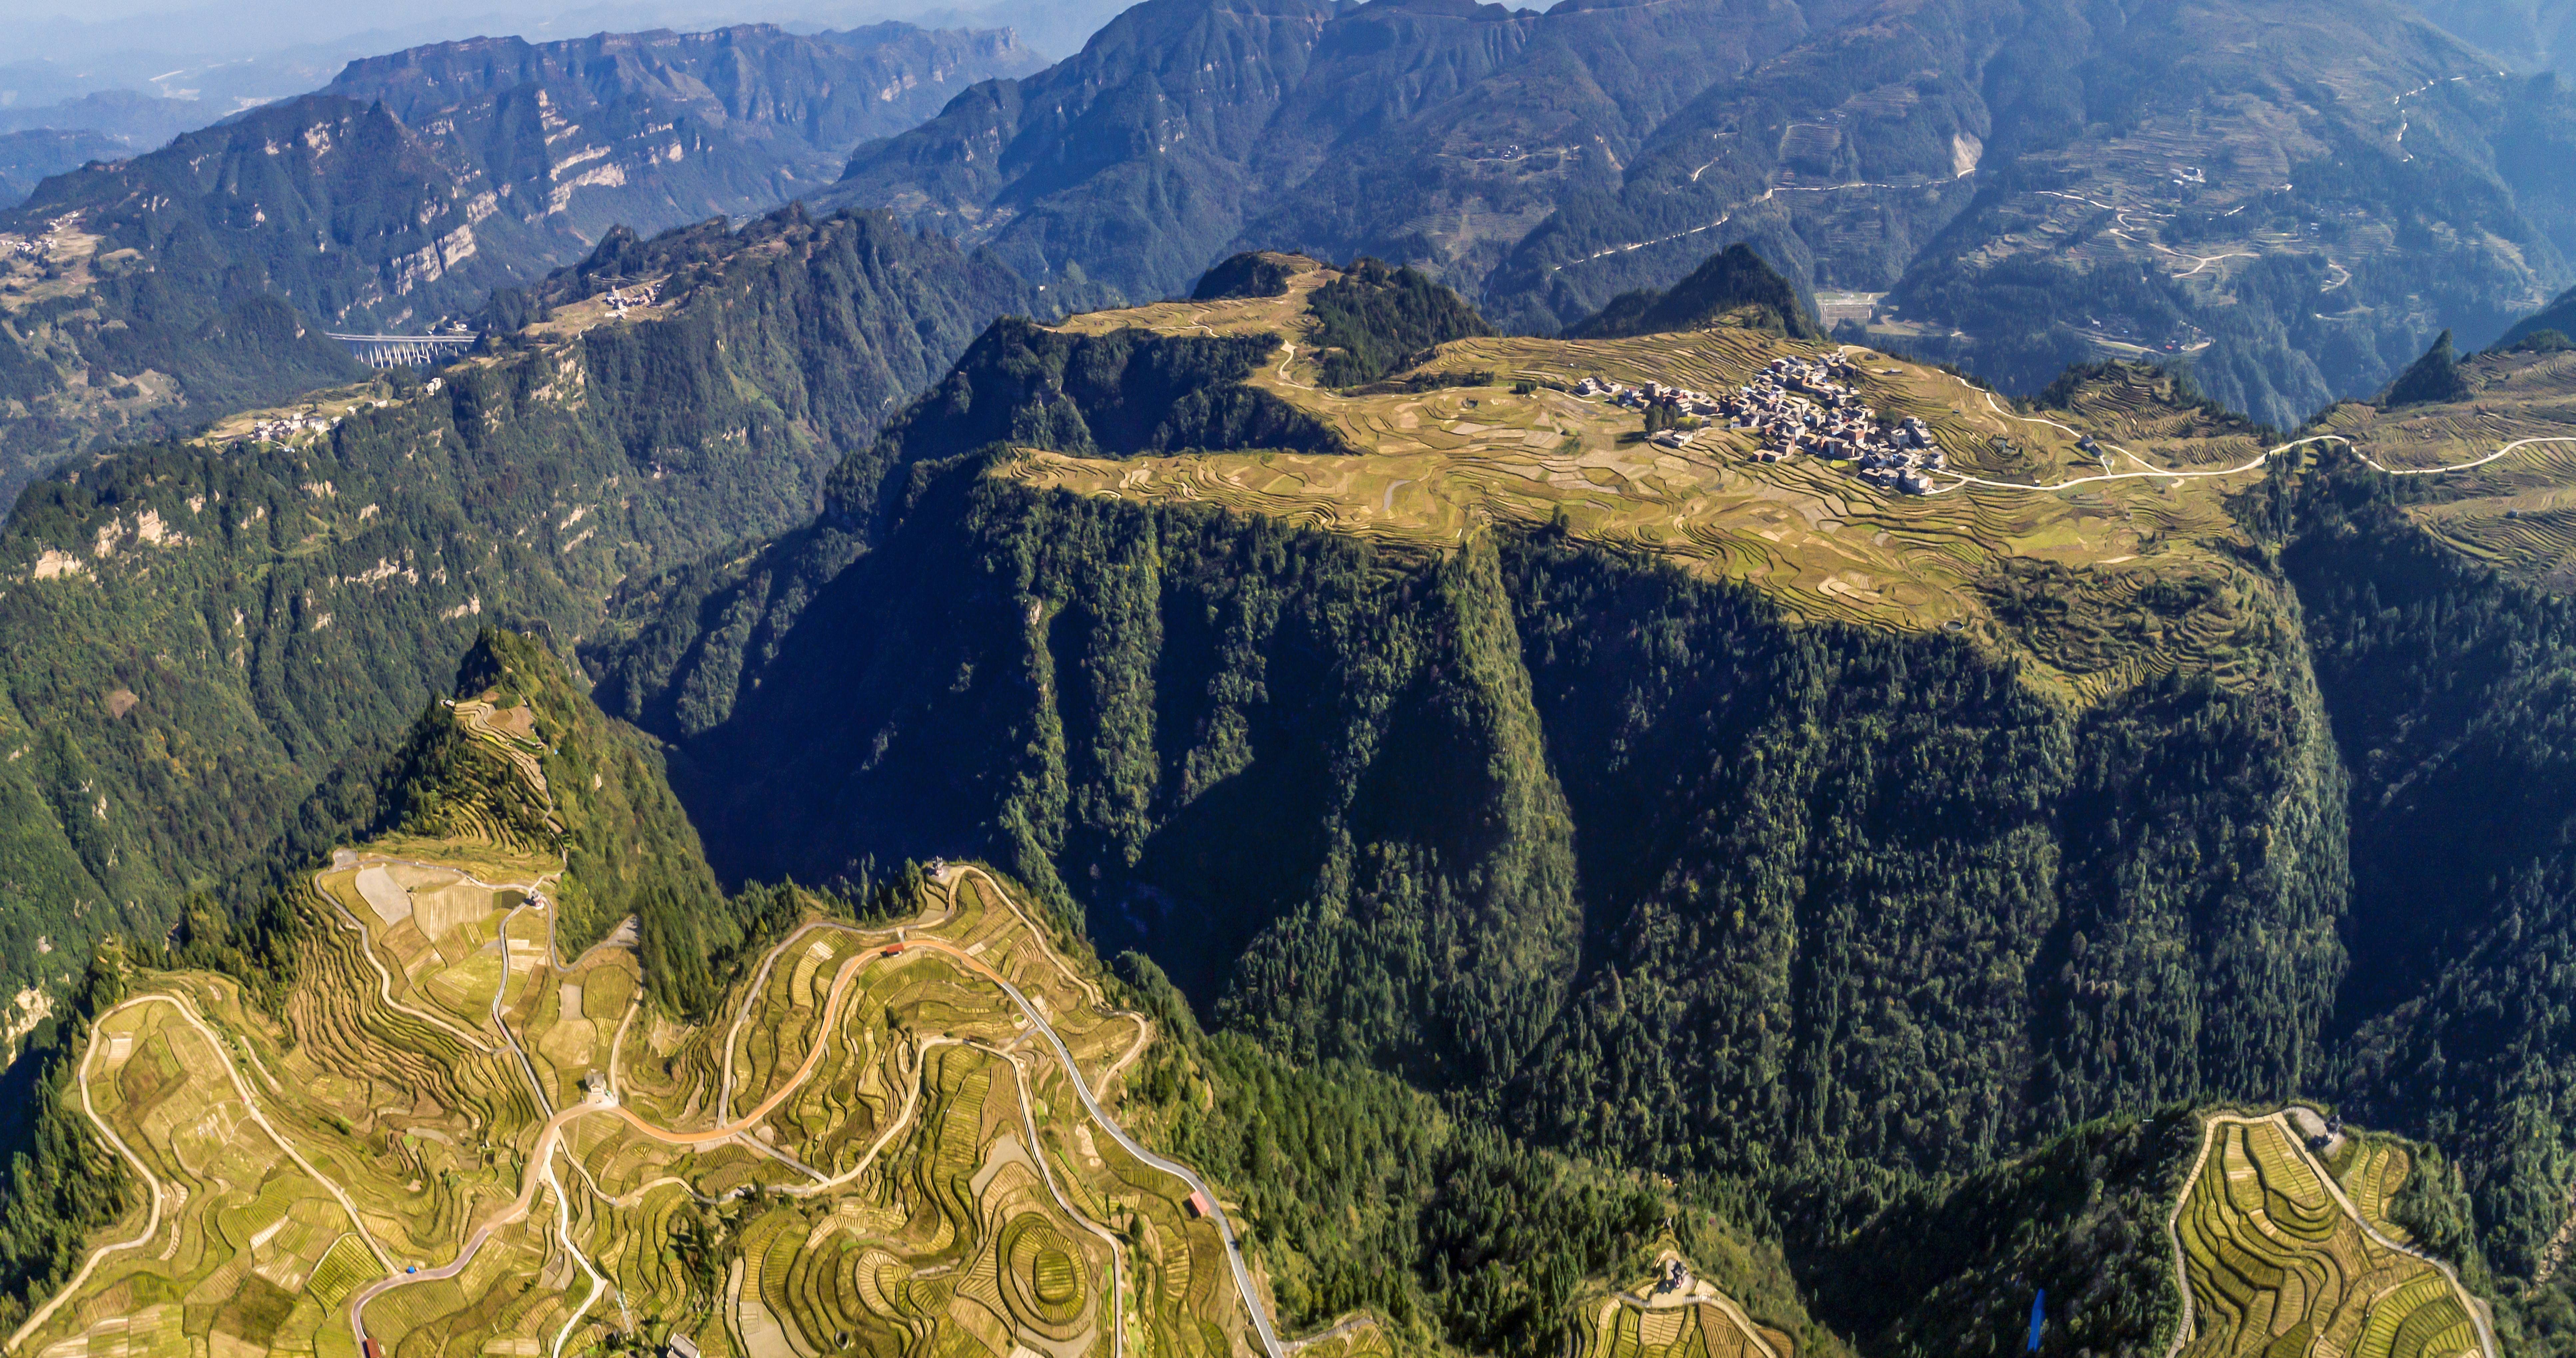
[215,626]
[199,278]
[1700,679]
[2292,198]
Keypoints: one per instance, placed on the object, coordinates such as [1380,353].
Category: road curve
[152,1223]
[2209,1125]
[1073,1072]
[539,1174]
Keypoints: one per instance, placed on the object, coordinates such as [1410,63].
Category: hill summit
[1735,287]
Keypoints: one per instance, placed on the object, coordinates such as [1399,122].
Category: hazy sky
[231,54]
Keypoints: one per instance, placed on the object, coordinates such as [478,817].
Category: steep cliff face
[1647,868]
[2450,689]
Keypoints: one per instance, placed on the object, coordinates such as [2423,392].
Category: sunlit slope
[2287,1254]
[1510,443]
[457,1136]
[2517,511]
[1671,1314]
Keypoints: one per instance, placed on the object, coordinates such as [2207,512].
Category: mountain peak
[1735,287]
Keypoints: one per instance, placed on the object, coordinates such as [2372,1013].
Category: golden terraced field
[1440,464]
[456,1140]
[2516,512]
[2286,1254]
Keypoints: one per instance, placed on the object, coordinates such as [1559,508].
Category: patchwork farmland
[2091,539]
[451,1139]
[1516,445]
[2284,1252]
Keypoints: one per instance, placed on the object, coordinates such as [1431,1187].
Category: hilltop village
[288,428]
[641,294]
[1798,405]
[35,248]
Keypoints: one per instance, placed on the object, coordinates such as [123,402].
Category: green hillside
[435,953]
[204,634]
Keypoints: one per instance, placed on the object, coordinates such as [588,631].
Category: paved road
[539,1173]
[152,1223]
[2153,472]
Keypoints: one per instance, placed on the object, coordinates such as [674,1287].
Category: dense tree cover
[2448,687]
[1374,320]
[274,616]
[1951,1266]
[1735,287]
[62,1182]
[1250,274]
[1649,870]
[1615,860]
[2433,378]
[1359,1192]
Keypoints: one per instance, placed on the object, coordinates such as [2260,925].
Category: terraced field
[1656,1320]
[2516,512]
[2285,1255]
[1441,463]
[456,1141]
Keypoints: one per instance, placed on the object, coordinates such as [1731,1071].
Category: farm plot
[2281,1262]
[878,1147]
[1518,447]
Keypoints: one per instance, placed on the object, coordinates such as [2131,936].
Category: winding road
[2154,472]
[2209,1125]
[152,1221]
[540,1175]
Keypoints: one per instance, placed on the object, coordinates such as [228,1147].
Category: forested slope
[201,633]
[1865,929]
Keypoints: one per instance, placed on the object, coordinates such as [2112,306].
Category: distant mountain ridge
[273,605]
[2010,186]
[198,278]
[807,99]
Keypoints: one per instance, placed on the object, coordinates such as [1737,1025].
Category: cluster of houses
[642,294]
[289,427]
[35,248]
[1800,405]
